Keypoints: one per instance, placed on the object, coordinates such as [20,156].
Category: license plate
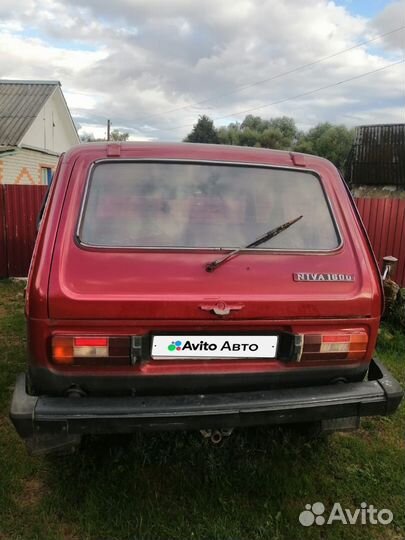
[203,346]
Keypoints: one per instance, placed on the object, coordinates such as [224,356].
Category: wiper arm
[210,267]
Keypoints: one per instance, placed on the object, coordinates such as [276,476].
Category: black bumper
[41,415]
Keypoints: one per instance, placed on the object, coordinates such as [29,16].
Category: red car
[183,286]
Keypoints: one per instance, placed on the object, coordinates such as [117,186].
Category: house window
[46,175]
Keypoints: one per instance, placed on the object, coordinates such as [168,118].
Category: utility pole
[108,129]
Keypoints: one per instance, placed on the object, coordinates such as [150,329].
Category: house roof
[20,103]
[378,156]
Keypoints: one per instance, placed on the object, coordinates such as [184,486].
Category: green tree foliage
[117,135]
[280,133]
[203,131]
[87,137]
[255,123]
[287,127]
[253,131]
[229,135]
[327,140]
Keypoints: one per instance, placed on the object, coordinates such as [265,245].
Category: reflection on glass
[204,205]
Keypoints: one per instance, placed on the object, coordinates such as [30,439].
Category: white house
[35,128]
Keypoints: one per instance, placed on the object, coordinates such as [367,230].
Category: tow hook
[216,435]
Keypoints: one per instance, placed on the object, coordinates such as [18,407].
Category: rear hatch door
[136,239]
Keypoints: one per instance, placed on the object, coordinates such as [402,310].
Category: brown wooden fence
[19,206]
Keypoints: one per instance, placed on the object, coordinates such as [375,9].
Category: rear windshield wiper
[210,267]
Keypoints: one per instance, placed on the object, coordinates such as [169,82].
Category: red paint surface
[114,292]
[384,220]
[19,208]
[3,242]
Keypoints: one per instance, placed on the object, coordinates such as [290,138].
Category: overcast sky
[153,66]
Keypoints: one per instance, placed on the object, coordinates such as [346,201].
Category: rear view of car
[198,287]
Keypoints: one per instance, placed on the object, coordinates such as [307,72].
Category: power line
[277,76]
[297,96]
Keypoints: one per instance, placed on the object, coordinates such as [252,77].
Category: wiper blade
[210,267]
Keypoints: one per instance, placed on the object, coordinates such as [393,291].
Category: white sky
[148,64]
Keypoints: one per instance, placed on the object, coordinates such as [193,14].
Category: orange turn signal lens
[62,350]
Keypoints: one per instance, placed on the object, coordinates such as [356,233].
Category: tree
[328,141]
[87,137]
[254,123]
[203,131]
[249,137]
[287,128]
[273,137]
[280,133]
[229,135]
[117,135]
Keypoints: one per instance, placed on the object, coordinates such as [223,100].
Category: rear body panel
[194,375]
[76,289]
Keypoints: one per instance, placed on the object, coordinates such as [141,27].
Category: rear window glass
[191,205]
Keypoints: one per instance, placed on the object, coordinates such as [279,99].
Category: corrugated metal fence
[19,206]
[377,156]
[3,250]
[384,220]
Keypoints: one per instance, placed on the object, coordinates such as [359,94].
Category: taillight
[335,346]
[90,347]
[62,350]
[91,350]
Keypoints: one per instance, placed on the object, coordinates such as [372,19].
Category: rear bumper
[40,415]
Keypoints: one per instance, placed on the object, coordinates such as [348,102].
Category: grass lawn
[164,486]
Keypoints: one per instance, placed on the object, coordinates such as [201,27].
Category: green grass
[166,486]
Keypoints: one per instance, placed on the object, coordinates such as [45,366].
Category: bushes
[394,313]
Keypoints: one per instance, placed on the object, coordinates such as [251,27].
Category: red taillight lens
[90,342]
[91,350]
[335,346]
[345,338]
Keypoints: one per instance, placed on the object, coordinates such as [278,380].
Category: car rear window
[195,205]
